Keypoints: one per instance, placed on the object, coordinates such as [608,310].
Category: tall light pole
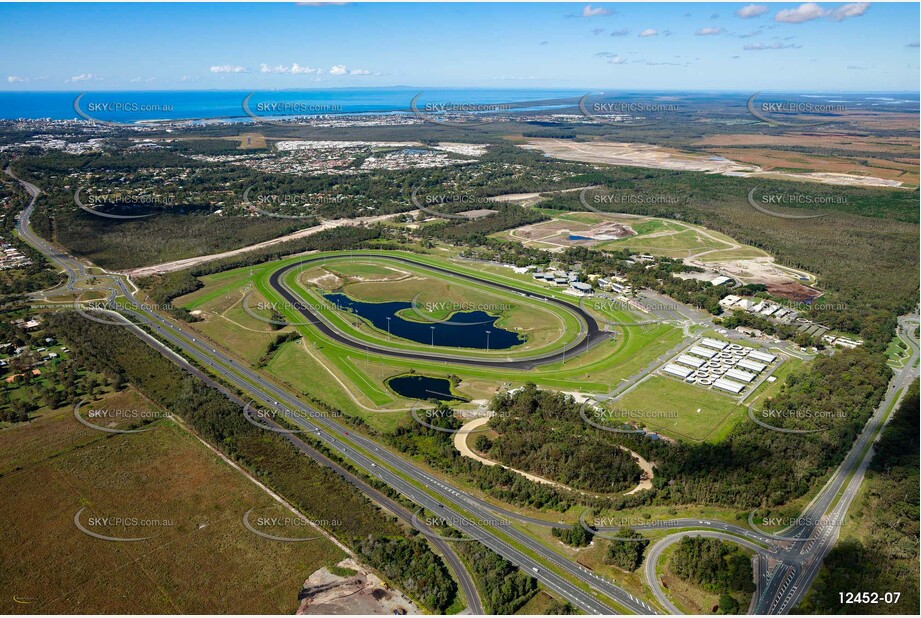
[433,335]
[487,340]
[388,327]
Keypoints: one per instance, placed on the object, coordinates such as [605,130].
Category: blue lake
[424,388]
[466,330]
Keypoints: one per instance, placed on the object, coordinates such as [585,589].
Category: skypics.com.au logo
[625,114]
[119,112]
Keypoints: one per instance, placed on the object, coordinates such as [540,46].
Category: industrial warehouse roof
[690,361]
[677,370]
[699,351]
[762,356]
[729,385]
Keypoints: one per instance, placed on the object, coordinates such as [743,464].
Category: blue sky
[672,46]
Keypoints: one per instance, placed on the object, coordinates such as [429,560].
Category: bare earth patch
[658,157]
[361,594]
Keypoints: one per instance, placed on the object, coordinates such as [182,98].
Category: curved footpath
[590,336]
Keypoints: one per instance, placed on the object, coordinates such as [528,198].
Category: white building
[762,356]
[702,352]
[728,385]
[744,376]
[677,370]
[751,365]
[713,343]
[690,361]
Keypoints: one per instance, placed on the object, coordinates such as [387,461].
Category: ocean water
[139,106]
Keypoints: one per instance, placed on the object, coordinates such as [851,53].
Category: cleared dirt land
[648,155]
[353,591]
[199,558]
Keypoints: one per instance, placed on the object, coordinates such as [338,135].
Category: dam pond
[424,388]
[463,329]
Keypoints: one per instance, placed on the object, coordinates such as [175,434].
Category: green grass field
[354,380]
[677,409]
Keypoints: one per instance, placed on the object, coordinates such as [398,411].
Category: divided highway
[469,517]
[795,554]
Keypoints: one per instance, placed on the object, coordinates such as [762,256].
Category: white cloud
[294,69]
[138,80]
[615,59]
[649,32]
[620,32]
[760,47]
[83,77]
[227,68]
[802,13]
[298,69]
[590,11]
[752,10]
[811,10]
[709,31]
[15,79]
[855,9]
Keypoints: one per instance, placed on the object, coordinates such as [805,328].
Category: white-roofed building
[677,370]
[702,352]
[751,365]
[690,361]
[720,280]
[743,376]
[762,356]
[729,385]
[713,343]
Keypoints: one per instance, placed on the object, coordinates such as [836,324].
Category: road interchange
[797,555]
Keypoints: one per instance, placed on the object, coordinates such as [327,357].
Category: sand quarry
[648,155]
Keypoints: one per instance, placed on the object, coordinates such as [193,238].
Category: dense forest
[752,467]
[575,536]
[864,251]
[626,554]
[717,567]
[503,587]
[422,574]
[881,555]
[539,434]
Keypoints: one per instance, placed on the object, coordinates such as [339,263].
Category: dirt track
[166,267]
[460,443]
